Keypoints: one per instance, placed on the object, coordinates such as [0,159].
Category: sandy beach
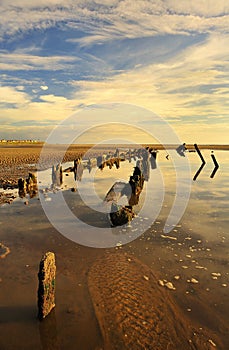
[143,295]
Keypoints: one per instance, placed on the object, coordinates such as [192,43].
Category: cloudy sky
[168,56]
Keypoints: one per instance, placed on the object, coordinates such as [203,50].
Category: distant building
[18,141]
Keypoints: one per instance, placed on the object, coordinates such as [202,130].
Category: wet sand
[134,312]
[110,298]
[99,290]
[17,160]
[104,294]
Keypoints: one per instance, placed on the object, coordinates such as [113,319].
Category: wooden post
[46,288]
[57,175]
[21,184]
[21,187]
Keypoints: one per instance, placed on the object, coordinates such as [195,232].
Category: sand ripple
[134,312]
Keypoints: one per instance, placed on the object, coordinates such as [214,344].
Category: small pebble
[169,285]
[211,342]
[200,267]
[146,278]
[193,280]
[169,237]
[217,274]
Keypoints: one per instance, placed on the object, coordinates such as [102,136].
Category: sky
[170,57]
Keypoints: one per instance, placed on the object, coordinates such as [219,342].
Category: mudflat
[107,299]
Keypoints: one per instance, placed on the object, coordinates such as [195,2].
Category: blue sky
[170,57]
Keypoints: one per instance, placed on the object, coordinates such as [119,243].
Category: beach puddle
[189,263]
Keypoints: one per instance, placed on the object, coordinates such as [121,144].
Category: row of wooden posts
[47,267]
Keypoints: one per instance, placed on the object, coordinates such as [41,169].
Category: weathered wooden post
[77,162]
[57,175]
[116,154]
[46,288]
[101,160]
[33,178]
[153,158]
[21,184]
[53,174]
[21,187]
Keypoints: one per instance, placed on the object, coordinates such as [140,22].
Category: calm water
[196,247]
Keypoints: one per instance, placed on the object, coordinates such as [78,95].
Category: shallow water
[196,247]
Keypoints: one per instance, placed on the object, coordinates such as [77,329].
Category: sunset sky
[170,57]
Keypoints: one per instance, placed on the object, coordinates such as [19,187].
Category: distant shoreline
[35,144]
[17,159]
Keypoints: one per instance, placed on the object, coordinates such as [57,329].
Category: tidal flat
[154,290]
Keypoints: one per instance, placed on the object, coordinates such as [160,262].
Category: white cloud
[20,87]
[105,20]
[44,87]
[205,8]
[203,133]
[10,95]
[189,86]
[181,87]
[54,99]
[23,61]
[50,107]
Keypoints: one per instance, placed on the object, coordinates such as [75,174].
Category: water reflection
[196,248]
[145,160]
[48,333]
[121,215]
